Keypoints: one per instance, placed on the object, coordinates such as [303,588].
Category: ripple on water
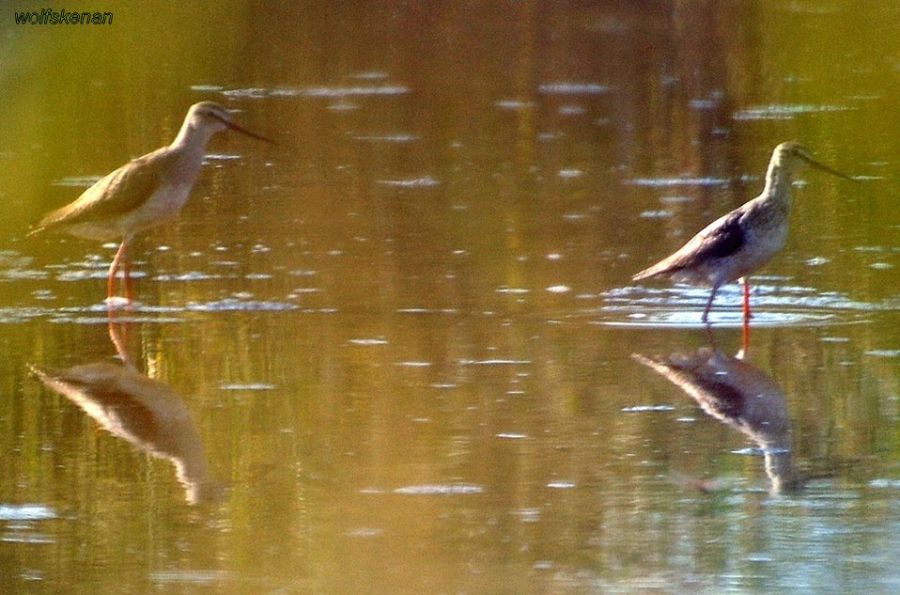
[422,182]
[561,484]
[137,312]
[211,157]
[370,75]
[26,512]
[681,306]
[558,289]
[195,576]
[387,138]
[512,290]
[573,88]
[99,272]
[511,436]
[372,90]
[236,305]
[250,386]
[656,214]
[648,409]
[23,274]
[19,315]
[494,362]
[786,111]
[668,182]
[187,277]
[514,104]
[22,536]
[438,489]
[368,342]
[426,311]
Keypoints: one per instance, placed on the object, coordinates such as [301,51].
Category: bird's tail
[649,272]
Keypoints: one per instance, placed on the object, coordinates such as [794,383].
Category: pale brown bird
[145,191]
[740,242]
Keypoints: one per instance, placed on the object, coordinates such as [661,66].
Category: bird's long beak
[242,130]
[834,172]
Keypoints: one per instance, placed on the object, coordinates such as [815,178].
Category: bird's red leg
[117,261]
[126,269]
[747,314]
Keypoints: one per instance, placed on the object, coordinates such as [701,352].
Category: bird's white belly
[162,205]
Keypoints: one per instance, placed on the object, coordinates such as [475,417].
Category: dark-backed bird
[145,191]
[740,242]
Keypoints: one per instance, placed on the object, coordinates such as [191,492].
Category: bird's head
[792,156]
[211,116]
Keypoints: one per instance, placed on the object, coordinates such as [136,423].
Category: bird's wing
[721,238]
[118,192]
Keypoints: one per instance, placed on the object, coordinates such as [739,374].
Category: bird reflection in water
[144,412]
[741,396]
